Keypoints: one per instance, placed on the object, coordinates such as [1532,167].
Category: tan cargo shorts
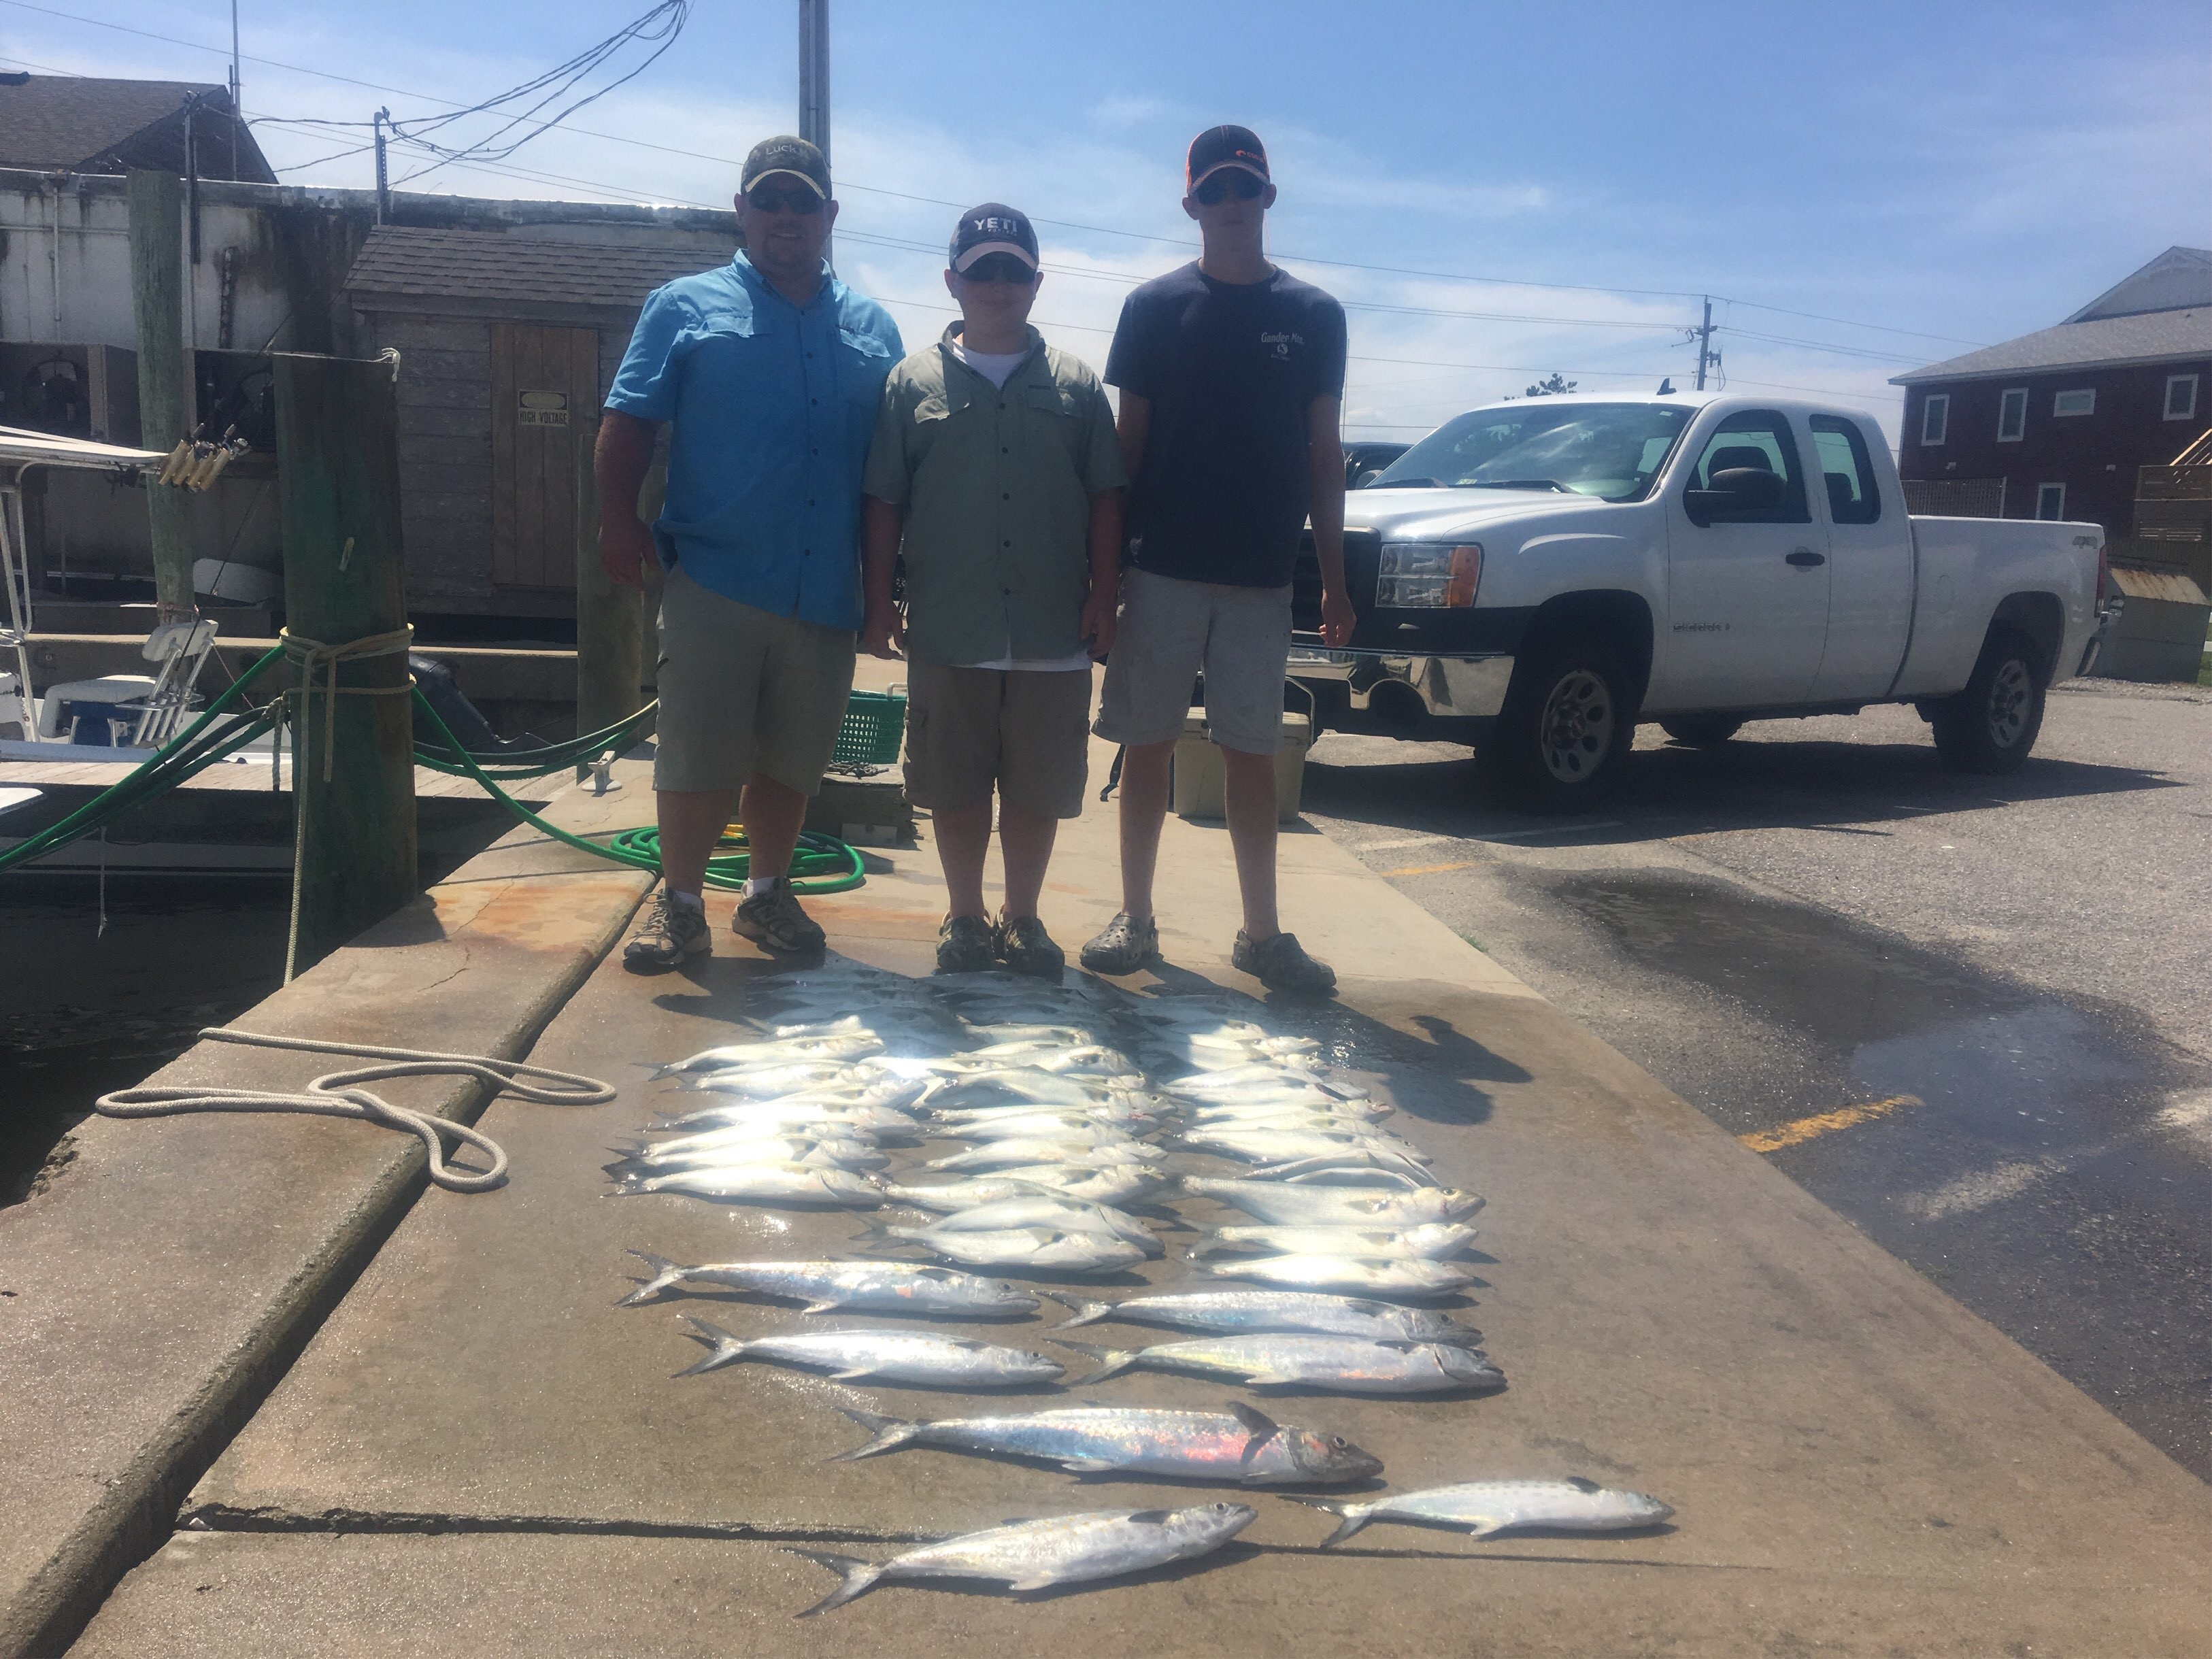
[746,692]
[1024,732]
[1173,631]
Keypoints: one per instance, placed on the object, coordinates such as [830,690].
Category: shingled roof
[406,261]
[2153,336]
[84,124]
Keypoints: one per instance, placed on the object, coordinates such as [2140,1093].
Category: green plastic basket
[875,725]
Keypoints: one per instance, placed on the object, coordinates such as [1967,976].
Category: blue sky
[1960,170]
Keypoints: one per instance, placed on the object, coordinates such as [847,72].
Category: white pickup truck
[1538,577]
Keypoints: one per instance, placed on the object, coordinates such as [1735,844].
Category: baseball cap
[1224,147]
[786,155]
[994,228]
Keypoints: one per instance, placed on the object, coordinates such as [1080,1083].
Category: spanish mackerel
[1483,1507]
[916,1357]
[1376,1275]
[1292,1205]
[1241,1446]
[765,1184]
[1030,1555]
[1021,1247]
[856,1287]
[1234,1312]
[1343,1364]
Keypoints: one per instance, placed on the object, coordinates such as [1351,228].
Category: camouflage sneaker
[773,918]
[671,932]
[1281,963]
[964,945]
[1024,946]
[1124,947]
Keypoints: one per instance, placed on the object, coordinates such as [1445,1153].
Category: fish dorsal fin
[1402,1345]
[941,1275]
[1149,1518]
[1583,1483]
[1261,1427]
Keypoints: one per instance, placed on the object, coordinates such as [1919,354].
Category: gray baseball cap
[786,154]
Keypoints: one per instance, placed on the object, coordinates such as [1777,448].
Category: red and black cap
[1224,147]
[793,158]
[994,228]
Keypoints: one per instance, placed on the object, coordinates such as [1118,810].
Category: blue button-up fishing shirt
[770,407]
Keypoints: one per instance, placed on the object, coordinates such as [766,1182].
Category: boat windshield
[1611,451]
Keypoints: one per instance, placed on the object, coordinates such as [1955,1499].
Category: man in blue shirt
[768,372]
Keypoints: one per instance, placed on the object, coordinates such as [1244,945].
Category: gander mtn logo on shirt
[1282,344]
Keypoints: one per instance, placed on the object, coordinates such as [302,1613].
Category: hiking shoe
[1124,947]
[965,945]
[671,931]
[1281,963]
[773,918]
[1024,946]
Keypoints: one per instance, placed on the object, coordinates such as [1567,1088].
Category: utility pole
[814,80]
[237,114]
[383,177]
[157,307]
[353,779]
[1705,353]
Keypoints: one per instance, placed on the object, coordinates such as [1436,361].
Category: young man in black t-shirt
[1231,374]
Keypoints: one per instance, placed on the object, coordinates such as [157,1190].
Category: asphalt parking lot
[1972,1014]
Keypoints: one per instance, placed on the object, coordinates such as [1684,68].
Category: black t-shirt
[1231,369]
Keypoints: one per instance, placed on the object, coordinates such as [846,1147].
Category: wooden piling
[157,301]
[610,619]
[338,469]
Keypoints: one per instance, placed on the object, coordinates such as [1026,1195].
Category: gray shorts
[744,691]
[1173,631]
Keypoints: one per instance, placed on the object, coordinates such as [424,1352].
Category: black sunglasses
[1000,268]
[766,198]
[1230,181]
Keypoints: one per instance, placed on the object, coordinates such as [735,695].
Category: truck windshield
[1611,451]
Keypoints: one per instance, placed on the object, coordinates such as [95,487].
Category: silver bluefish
[1247,1312]
[856,1287]
[1021,1247]
[1433,1240]
[1124,1184]
[1240,1446]
[1345,1364]
[1011,1154]
[1483,1507]
[915,1357]
[824,1047]
[1032,1555]
[769,1184]
[1049,1210]
[1374,1275]
[1288,1205]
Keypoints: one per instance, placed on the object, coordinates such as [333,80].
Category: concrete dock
[474,1452]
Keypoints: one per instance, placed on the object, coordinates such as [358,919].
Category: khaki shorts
[970,729]
[744,692]
[1171,631]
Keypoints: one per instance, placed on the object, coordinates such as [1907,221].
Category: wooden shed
[507,341]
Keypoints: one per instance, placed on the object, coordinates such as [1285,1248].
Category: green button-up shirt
[995,484]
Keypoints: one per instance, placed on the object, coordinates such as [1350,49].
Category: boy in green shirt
[994,463]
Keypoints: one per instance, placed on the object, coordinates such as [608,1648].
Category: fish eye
[1338,1441]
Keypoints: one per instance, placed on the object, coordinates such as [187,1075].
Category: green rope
[623,734]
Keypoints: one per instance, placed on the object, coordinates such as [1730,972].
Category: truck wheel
[1561,739]
[1990,727]
[1702,730]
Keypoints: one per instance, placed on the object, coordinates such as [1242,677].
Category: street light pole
[814,78]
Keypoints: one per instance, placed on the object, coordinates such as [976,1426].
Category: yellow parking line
[1821,1123]
[1433,869]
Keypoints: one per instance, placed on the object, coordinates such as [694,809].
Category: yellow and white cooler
[1199,784]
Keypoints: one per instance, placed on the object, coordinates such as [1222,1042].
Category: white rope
[339,1094]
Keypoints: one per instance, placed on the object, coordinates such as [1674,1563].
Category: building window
[2082,402]
[2181,396]
[1935,419]
[2012,414]
[2050,501]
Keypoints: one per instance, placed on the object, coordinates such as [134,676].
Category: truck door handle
[1805,558]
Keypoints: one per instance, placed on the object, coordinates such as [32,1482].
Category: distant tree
[1555,387]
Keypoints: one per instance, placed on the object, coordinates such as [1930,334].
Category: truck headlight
[1421,574]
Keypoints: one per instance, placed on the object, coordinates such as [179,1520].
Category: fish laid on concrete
[1239,1082]
[1041,1248]
[1483,1507]
[1035,1128]
[1050,1210]
[1042,1120]
[1241,1446]
[819,1153]
[826,1048]
[1122,1185]
[1288,1204]
[1370,1275]
[768,1184]
[1429,1240]
[1033,1555]
[851,1287]
[797,1112]
[1343,1364]
[1234,1312]
[1009,1154]
[915,1357]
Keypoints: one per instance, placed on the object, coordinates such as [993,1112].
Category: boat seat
[108,689]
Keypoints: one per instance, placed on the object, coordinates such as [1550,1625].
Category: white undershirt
[995,367]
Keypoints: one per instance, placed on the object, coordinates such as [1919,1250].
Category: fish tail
[858,1578]
[1086,1313]
[890,1433]
[1112,1362]
[1351,1517]
[722,1346]
[664,1273]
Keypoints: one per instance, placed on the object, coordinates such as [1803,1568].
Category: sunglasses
[1000,268]
[1230,181]
[768,200]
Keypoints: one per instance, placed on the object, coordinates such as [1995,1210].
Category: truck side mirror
[1735,489]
